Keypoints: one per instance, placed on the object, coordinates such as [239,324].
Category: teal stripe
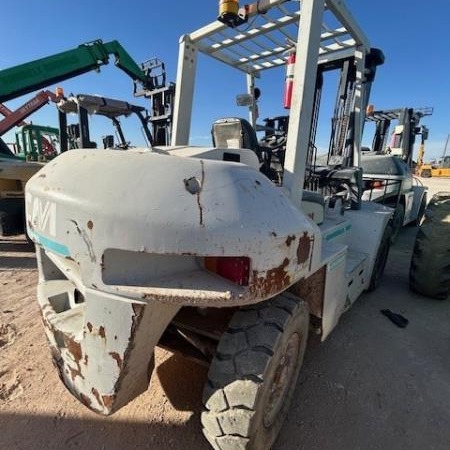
[49,244]
[337,233]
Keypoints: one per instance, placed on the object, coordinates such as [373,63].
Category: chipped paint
[202,181]
[96,395]
[108,401]
[74,348]
[289,240]
[274,280]
[116,358]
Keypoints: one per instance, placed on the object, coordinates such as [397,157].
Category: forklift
[198,250]
[389,167]
[77,135]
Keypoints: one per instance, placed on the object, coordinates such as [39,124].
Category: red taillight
[234,268]
[376,184]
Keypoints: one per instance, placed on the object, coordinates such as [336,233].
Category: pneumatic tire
[429,273]
[253,376]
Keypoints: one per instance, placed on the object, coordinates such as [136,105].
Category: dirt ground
[371,385]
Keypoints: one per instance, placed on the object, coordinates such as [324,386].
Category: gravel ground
[371,385]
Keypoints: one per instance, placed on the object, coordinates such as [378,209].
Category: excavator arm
[34,75]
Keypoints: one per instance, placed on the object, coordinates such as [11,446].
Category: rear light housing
[375,184]
[233,268]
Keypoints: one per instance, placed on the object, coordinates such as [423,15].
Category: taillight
[234,268]
[376,184]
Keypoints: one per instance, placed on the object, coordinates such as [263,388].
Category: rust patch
[137,308]
[108,401]
[89,327]
[289,240]
[96,395]
[116,358]
[312,290]
[303,249]
[85,400]
[101,332]
[276,280]
[90,224]
[75,372]
[74,348]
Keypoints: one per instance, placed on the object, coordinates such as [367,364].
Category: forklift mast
[161,103]
[404,134]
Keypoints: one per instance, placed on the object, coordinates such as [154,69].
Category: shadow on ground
[26,432]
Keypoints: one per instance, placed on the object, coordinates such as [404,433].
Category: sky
[414,36]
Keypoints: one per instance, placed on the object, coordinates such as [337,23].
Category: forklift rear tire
[253,375]
[429,273]
[426,173]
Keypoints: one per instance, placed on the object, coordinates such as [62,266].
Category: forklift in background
[389,167]
[77,135]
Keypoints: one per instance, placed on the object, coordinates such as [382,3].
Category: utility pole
[446,145]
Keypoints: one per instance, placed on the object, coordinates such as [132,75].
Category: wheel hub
[282,380]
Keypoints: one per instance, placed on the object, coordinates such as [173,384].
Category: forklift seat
[234,132]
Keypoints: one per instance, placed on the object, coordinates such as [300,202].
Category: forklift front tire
[253,376]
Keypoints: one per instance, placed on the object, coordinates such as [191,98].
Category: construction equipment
[440,168]
[78,135]
[388,166]
[25,78]
[161,104]
[36,143]
[196,250]
[15,118]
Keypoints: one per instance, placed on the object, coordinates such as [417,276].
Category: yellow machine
[439,169]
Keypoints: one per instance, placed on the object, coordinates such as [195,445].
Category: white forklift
[196,250]
[388,166]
